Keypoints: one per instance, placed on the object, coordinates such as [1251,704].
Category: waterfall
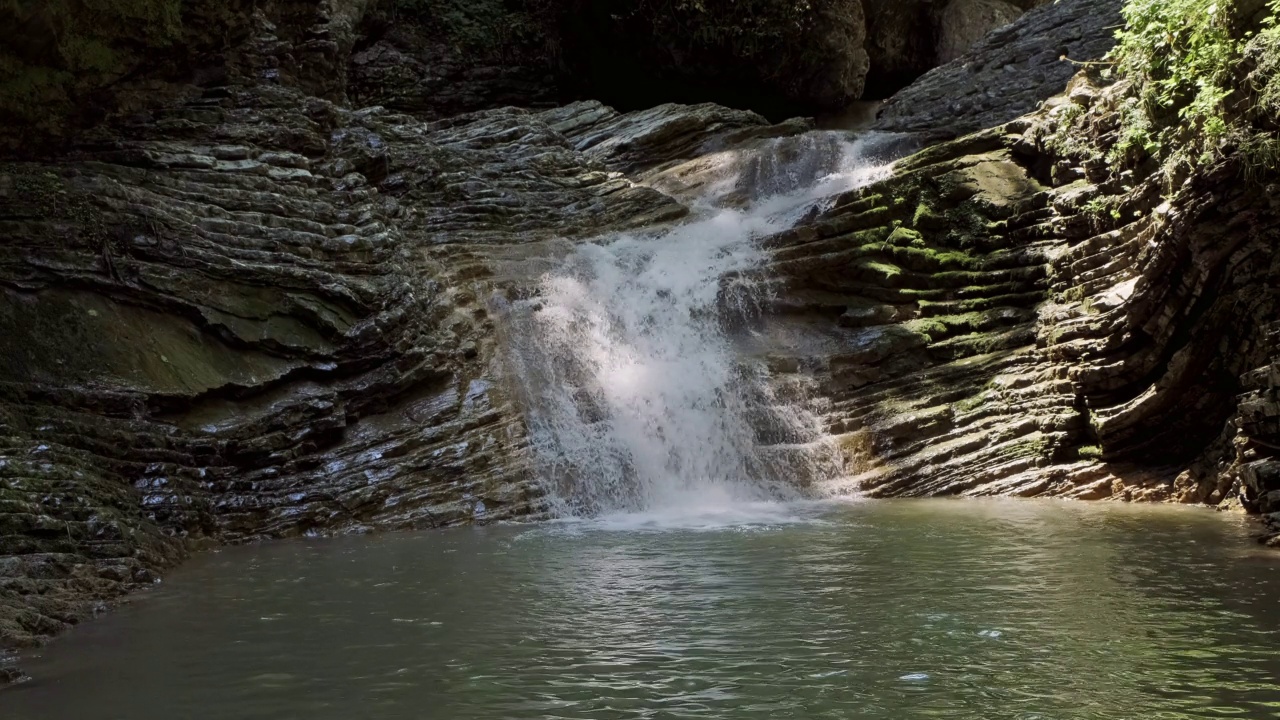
[636,397]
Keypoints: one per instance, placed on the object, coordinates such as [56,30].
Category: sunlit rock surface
[257,313]
[1008,72]
[997,318]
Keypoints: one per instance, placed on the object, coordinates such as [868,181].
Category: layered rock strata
[1008,72]
[256,313]
[63,69]
[1002,317]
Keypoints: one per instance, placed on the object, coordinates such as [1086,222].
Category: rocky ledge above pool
[260,314]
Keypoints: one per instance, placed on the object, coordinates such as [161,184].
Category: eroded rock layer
[246,310]
[256,313]
[999,318]
[1008,72]
[64,68]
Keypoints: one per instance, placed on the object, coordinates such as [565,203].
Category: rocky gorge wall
[977,330]
[66,66]
[1011,314]
[252,312]
[778,58]
[262,303]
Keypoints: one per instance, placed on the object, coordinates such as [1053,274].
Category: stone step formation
[261,314]
[253,310]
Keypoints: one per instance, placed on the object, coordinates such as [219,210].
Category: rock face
[433,58]
[257,313]
[1009,72]
[1000,319]
[781,58]
[248,310]
[439,58]
[965,22]
[442,57]
[907,38]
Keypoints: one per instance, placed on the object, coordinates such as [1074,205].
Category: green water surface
[887,610]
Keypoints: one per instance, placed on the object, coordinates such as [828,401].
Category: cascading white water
[636,398]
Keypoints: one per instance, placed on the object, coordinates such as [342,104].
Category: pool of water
[926,609]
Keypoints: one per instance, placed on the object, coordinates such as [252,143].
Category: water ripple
[1004,610]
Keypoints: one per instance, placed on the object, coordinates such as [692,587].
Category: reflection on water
[874,610]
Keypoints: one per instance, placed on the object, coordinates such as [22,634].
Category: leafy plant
[1263,51]
[1181,56]
[1184,60]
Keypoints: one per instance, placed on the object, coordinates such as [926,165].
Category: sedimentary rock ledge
[261,295]
[1000,319]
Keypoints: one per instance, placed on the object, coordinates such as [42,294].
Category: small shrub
[1089,452]
[1184,60]
[1182,57]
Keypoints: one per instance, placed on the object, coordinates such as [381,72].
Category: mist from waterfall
[636,398]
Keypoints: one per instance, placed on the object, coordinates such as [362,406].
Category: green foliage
[1261,155]
[1181,56]
[1102,207]
[1065,141]
[1089,452]
[91,35]
[1264,51]
[1260,151]
[1185,60]
[47,194]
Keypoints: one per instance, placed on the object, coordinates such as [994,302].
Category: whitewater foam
[637,404]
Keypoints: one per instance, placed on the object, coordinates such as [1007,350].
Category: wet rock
[466,61]
[901,43]
[965,22]
[1009,71]
[254,311]
[907,38]
[778,58]
[642,141]
[259,313]
[1130,358]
